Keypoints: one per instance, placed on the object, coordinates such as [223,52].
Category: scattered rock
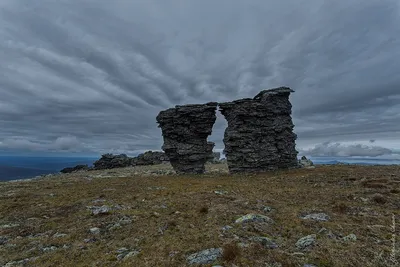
[94,230]
[114,226]
[350,238]
[221,192]
[259,136]
[125,220]
[124,253]
[10,225]
[205,256]
[305,162]
[185,130]
[306,241]
[266,208]
[49,249]
[254,218]
[265,241]
[100,210]
[322,217]
[226,228]
[23,262]
[59,235]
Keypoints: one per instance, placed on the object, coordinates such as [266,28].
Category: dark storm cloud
[92,75]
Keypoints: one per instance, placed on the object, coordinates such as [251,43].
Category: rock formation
[151,158]
[259,136]
[75,169]
[185,130]
[305,162]
[110,161]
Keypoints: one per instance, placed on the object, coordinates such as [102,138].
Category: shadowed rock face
[259,136]
[110,161]
[185,130]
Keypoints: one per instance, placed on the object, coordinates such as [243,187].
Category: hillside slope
[149,216]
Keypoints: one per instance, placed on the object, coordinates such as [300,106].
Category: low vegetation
[151,217]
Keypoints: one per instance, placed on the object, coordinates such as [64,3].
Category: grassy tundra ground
[160,219]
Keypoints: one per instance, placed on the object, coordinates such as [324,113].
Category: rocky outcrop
[305,162]
[259,136]
[110,161]
[75,169]
[215,158]
[151,158]
[185,130]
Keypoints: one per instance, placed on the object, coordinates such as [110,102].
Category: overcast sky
[90,76]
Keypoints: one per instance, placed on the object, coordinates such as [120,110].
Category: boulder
[305,162]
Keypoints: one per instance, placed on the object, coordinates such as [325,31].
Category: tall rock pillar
[259,136]
[185,130]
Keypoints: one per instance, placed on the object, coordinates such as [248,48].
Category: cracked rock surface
[260,136]
[185,130]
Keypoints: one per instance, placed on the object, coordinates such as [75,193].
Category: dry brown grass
[170,217]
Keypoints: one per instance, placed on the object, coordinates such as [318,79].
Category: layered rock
[151,158]
[110,161]
[185,130]
[259,136]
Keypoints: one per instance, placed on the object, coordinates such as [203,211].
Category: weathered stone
[110,161]
[75,169]
[306,241]
[259,136]
[350,237]
[305,162]
[151,158]
[94,230]
[205,256]
[49,249]
[322,217]
[258,218]
[100,210]
[124,253]
[185,130]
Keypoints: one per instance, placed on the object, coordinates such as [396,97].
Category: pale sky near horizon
[89,77]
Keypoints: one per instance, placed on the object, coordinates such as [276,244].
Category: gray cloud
[343,150]
[64,143]
[100,71]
